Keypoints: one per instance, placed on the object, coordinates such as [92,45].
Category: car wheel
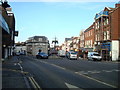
[37,57]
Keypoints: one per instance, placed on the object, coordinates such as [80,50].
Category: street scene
[61,73]
[53,45]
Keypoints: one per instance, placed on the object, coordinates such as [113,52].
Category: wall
[115,24]
[19,48]
[0,43]
[89,37]
[115,33]
[115,50]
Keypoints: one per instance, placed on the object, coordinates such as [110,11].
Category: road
[64,73]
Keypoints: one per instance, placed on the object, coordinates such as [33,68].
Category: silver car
[71,55]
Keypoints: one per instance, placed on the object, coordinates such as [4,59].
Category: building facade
[7,30]
[107,33]
[89,38]
[20,48]
[36,43]
[102,33]
[82,39]
[115,32]
[76,44]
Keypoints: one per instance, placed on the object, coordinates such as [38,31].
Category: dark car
[42,55]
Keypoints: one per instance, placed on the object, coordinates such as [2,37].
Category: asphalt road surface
[68,74]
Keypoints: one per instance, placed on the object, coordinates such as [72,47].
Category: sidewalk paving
[11,74]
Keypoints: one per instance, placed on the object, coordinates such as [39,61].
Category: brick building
[82,37]
[76,44]
[107,32]
[89,38]
[115,32]
[67,45]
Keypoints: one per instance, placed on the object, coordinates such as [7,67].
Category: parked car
[17,53]
[22,53]
[94,56]
[71,55]
[61,53]
[42,55]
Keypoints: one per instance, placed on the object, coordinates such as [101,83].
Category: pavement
[12,74]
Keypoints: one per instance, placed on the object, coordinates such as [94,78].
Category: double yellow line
[34,83]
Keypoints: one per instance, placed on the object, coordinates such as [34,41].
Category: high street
[65,73]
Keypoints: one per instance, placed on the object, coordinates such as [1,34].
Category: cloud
[63,0]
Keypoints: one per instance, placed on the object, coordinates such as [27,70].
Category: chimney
[117,4]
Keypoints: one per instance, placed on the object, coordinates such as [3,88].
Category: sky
[54,19]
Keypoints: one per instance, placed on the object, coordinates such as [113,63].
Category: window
[96,37]
[108,35]
[40,39]
[105,35]
[98,25]
[91,43]
[107,21]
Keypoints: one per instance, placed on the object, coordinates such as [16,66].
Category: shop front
[106,51]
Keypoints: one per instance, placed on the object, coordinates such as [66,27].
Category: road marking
[82,72]
[107,71]
[117,70]
[111,70]
[52,64]
[15,70]
[58,66]
[96,80]
[93,72]
[20,67]
[70,85]
[34,83]
[15,64]
[26,82]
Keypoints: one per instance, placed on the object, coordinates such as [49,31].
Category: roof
[90,27]
[109,8]
[102,13]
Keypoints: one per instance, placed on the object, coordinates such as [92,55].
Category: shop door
[105,55]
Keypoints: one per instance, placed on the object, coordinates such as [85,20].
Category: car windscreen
[42,53]
[73,53]
[96,54]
